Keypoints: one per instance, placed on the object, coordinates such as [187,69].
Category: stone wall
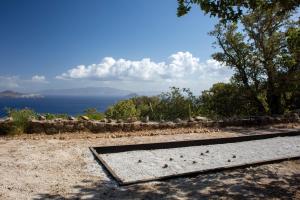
[74,125]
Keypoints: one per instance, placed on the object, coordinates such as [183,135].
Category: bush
[146,106]
[50,116]
[227,100]
[123,110]
[177,104]
[92,113]
[20,119]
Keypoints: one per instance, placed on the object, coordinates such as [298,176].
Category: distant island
[88,91]
[13,94]
[78,92]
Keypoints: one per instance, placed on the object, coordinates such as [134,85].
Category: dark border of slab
[97,151]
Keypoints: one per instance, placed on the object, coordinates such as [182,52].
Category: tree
[263,60]
[226,100]
[232,10]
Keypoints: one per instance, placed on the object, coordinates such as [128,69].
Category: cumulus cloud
[179,66]
[38,78]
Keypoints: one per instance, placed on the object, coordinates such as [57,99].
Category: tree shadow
[250,183]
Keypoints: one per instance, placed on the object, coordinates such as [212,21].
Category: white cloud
[9,82]
[181,66]
[38,78]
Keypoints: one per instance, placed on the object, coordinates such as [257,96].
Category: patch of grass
[20,118]
[50,116]
[92,113]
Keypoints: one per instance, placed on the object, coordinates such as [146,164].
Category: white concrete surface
[165,162]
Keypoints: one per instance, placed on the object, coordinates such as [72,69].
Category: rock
[8,119]
[201,154]
[171,159]
[109,120]
[103,120]
[131,119]
[139,161]
[119,121]
[194,162]
[41,117]
[294,117]
[191,119]
[165,166]
[228,160]
[84,117]
[199,118]
[177,120]
[71,118]
[234,156]
[145,119]
[207,151]
[162,121]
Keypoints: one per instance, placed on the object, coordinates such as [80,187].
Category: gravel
[157,163]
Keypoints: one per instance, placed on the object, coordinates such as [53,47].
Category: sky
[134,45]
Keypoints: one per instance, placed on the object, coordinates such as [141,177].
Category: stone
[295,117]
[177,120]
[131,119]
[103,120]
[191,119]
[71,118]
[234,156]
[84,117]
[165,166]
[145,119]
[8,119]
[41,117]
[109,120]
[199,118]
[119,121]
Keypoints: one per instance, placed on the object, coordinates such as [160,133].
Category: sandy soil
[62,167]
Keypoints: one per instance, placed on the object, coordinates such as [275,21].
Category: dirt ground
[62,167]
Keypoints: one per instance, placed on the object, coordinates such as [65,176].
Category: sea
[70,105]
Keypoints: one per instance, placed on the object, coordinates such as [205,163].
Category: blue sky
[136,45]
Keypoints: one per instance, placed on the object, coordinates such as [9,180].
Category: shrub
[92,113]
[177,103]
[122,110]
[50,116]
[20,119]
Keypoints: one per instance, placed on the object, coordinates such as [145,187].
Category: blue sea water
[58,104]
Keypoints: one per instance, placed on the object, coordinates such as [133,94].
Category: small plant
[122,110]
[92,113]
[20,119]
[50,116]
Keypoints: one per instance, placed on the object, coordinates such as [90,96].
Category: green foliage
[177,104]
[146,106]
[50,116]
[226,100]
[92,113]
[20,119]
[122,110]
[232,10]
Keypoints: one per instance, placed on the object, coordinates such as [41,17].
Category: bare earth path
[62,167]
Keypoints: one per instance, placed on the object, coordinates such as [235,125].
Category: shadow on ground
[263,182]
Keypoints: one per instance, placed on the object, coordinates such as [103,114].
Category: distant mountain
[88,91]
[13,94]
